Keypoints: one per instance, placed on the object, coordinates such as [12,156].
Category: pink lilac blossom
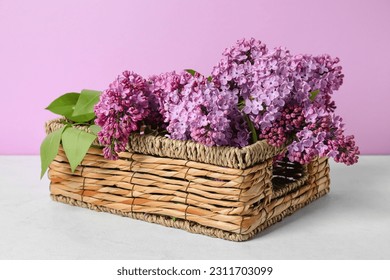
[290,121]
[120,110]
[344,149]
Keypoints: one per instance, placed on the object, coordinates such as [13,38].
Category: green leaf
[83,118]
[49,148]
[313,94]
[252,128]
[95,129]
[84,108]
[64,104]
[209,78]
[191,71]
[76,144]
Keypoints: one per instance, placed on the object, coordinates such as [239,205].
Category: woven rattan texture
[191,226]
[240,202]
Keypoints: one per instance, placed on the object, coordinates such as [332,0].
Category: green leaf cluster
[78,108]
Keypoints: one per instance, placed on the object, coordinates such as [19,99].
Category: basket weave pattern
[222,192]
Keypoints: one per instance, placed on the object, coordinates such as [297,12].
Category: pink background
[50,47]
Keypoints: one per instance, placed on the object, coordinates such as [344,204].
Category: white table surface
[351,222]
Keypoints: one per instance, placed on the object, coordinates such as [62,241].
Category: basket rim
[232,157]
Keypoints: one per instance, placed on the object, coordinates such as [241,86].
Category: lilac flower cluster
[167,89]
[324,138]
[120,110]
[286,96]
[322,133]
[260,78]
[195,109]
[319,73]
[290,121]
[253,91]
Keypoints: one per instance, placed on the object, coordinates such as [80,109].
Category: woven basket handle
[287,177]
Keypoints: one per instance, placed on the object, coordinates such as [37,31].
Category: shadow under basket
[224,192]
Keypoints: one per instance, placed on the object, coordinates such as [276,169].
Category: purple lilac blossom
[193,108]
[167,90]
[259,77]
[324,138]
[120,110]
[271,89]
[274,90]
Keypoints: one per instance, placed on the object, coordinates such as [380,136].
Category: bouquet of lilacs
[253,94]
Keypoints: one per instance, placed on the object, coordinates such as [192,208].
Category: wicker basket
[223,192]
